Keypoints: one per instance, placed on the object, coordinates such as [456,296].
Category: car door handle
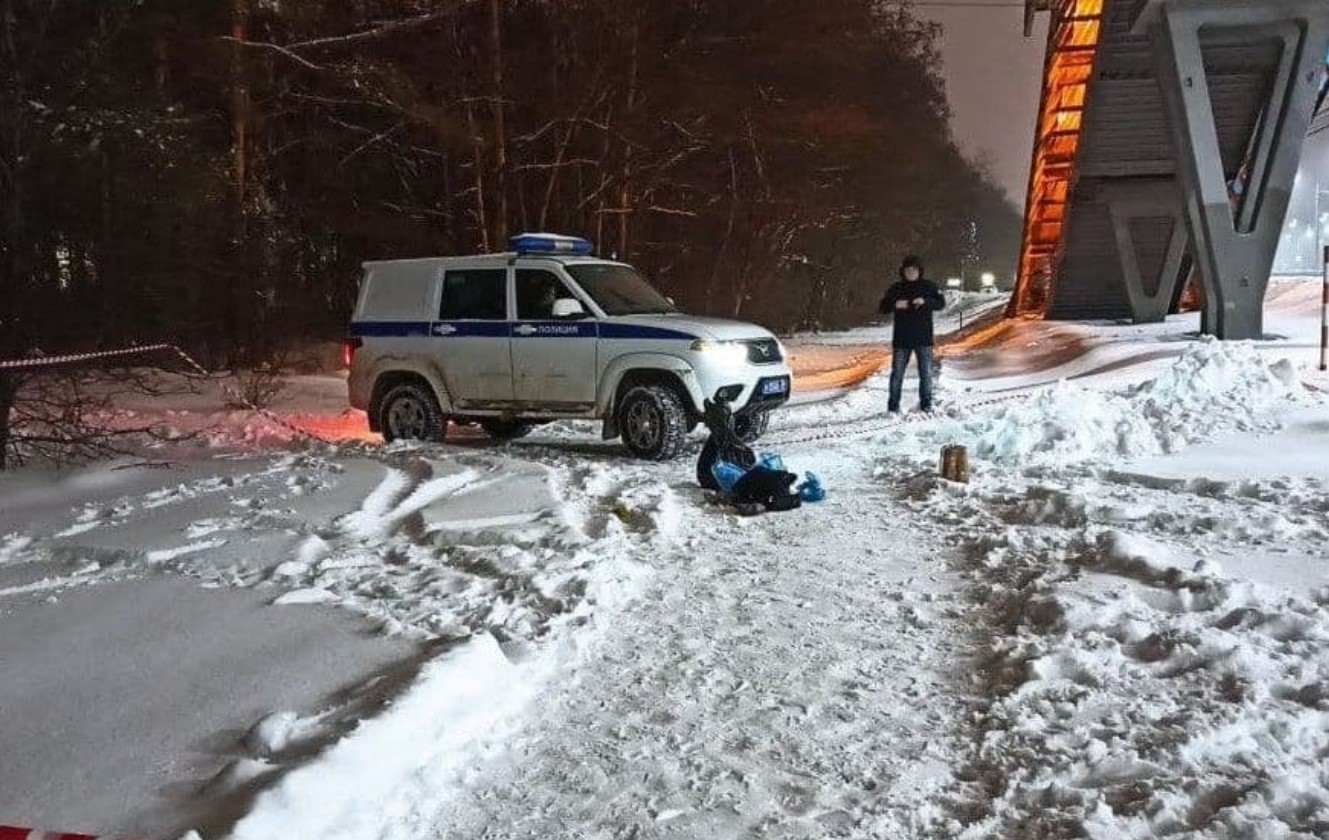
[525,329]
[444,329]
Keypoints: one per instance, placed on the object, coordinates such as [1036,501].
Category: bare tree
[496,98]
[13,235]
[63,416]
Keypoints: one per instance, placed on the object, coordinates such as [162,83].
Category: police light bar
[551,243]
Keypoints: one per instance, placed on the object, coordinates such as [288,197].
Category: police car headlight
[728,353]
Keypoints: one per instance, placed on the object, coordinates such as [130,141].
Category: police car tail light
[724,352]
[348,348]
[551,243]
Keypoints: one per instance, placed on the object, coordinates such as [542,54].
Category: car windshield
[620,290]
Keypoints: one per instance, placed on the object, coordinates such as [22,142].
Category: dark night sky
[993,75]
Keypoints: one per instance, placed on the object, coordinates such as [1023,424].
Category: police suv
[548,332]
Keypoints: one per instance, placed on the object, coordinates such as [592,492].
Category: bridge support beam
[1151,285]
[1234,246]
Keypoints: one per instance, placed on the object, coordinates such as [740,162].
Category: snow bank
[1214,386]
[516,567]
[426,738]
[1150,700]
[518,594]
[1132,687]
[442,549]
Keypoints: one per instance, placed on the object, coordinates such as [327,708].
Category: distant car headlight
[727,353]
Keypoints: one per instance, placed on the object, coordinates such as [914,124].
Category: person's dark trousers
[899,363]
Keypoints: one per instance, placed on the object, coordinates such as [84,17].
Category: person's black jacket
[913,325]
[723,444]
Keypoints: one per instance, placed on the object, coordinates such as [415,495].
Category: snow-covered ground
[1117,629]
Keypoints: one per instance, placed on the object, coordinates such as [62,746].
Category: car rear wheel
[751,426]
[506,429]
[410,412]
[653,422]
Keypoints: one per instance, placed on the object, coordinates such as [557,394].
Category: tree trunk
[553,176]
[600,208]
[728,235]
[625,178]
[478,158]
[106,260]
[235,326]
[238,97]
[500,126]
[13,247]
[8,392]
[448,209]
[556,84]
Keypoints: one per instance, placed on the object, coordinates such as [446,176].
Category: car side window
[475,295]
[536,292]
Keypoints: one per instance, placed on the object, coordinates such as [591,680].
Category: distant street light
[954,283]
[988,279]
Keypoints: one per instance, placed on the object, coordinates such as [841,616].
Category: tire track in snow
[507,614]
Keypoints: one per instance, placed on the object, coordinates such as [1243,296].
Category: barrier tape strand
[76,358]
[875,426]
[145,349]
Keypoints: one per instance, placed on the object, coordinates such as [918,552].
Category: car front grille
[764,351]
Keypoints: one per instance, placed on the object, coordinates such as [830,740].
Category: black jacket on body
[913,326]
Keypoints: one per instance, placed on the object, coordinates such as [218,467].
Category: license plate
[775,386]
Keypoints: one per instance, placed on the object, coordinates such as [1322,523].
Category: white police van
[548,332]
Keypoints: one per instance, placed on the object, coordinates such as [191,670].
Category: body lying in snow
[729,467]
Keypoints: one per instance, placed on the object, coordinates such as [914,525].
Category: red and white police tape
[75,358]
[9,832]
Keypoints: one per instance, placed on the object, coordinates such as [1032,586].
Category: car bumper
[749,388]
[769,392]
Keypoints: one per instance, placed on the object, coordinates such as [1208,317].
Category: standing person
[912,300]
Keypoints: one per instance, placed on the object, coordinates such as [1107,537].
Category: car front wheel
[653,422]
[410,412]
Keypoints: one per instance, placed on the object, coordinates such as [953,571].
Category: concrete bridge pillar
[1235,236]
[1151,277]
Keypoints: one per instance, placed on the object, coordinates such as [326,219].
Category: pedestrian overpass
[1168,142]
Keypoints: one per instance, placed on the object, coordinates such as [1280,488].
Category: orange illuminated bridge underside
[1072,46]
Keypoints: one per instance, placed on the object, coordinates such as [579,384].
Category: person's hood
[911,262]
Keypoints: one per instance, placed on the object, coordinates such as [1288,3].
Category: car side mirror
[568,308]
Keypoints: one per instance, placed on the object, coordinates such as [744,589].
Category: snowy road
[783,677]
[1119,629]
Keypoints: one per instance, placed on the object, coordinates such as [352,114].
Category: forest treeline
[214,173]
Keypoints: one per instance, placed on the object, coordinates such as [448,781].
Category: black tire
[410,411]
[751,426]
[652,422]
[500,429]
